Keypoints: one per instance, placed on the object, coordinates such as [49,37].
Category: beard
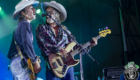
[49,20]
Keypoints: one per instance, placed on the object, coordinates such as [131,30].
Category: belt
[17,55]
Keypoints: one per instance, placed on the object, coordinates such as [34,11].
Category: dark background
[84,19]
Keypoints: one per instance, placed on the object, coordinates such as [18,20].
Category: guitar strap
[23,61]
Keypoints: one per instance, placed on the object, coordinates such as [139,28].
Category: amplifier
[113,73]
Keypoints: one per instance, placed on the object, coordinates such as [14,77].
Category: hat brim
[17,11]
[131,64]
[58,7]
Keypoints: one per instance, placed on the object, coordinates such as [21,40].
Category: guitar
[31,68]
[60,65]
[27,65]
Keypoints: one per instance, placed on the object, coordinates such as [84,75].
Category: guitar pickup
[55,65]
[59,62]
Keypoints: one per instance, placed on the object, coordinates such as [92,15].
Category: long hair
[21,16]
[57,16]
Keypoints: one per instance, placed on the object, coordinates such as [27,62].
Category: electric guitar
[30,66]
[32,71]
[60,65]
[27,65]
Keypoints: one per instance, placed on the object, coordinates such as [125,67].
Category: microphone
[43,15]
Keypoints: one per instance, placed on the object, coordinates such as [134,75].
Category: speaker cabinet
[113,73]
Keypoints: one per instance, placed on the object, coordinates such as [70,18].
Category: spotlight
[38,11]
[39,78]
[0,8]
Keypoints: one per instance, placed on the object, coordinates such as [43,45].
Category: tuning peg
[106,27]
[101,29]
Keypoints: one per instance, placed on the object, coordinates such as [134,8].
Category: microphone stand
[81,69]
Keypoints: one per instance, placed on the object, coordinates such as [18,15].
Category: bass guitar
[60,65]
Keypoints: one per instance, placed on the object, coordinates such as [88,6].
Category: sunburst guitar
[60,65]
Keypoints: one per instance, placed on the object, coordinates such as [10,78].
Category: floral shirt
[48,42]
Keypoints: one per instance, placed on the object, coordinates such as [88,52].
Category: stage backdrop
[84,19]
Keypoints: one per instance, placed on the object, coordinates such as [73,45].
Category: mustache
[34,13]
[47,17]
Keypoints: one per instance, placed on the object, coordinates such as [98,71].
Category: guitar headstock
[104,32]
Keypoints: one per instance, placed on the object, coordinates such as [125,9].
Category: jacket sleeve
[27,41]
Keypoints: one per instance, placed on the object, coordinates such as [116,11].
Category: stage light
[38,11]
[38,78]
[0,8]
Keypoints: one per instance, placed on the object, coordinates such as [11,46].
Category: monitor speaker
[113,73]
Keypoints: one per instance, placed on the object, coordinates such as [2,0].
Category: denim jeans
[17,71]
[69,75]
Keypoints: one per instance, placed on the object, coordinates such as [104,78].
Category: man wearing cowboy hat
[51,38]
[23,36]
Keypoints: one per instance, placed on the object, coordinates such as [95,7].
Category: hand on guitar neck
[63,52]
[93,42]
[102,33]
[37,66]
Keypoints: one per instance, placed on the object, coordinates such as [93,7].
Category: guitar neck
[75,52]
[98,37]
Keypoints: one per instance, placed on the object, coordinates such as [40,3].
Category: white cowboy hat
[21,5]
[131,64]
[57,6]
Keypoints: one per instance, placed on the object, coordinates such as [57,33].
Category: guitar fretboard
[75,52]
[98,37]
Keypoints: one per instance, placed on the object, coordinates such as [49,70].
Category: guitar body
[59,65]
[30,66]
